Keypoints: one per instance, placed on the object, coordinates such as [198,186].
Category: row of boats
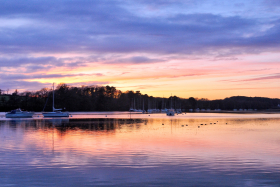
[169,112]
[18,113]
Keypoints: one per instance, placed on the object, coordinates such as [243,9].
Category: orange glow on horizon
[200,78]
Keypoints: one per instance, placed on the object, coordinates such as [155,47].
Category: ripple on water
[142,152]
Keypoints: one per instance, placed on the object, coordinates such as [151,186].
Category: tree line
[108,98]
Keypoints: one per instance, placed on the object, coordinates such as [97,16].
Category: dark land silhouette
[108,98]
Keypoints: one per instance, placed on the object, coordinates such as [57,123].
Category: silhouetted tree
[192,102]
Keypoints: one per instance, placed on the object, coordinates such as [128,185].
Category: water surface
[110,149]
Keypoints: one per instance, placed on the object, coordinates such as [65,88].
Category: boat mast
[53,99]
[171,101]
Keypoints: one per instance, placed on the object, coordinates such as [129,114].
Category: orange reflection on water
[159,140]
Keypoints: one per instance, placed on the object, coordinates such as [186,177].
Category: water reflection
[125,152]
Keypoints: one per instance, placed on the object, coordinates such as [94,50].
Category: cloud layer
[60,39]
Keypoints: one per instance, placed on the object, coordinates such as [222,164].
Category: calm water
[110,149]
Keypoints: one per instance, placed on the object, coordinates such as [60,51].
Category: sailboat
[55,112]
[171,111]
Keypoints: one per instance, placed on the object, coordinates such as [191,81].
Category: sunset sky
[189,48]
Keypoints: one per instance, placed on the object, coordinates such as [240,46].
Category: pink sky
[204,77]
[195,48]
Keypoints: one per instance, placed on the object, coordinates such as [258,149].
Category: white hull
[56,114]
[18,113]
[170,112]
[22,115]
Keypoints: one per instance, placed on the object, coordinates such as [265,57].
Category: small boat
[55,112]
[18,113]
[179,111]
[170,112]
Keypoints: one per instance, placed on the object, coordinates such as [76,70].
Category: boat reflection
[55,122]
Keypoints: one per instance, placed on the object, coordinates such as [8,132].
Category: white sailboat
[55,112]
[171,111]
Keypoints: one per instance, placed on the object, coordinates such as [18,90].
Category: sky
[189,48]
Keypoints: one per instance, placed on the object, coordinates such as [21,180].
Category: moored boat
[170,112]
[18,113]
[55,112]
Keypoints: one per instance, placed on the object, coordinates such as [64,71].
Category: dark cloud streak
[261,78]
[106,27]
[43,76]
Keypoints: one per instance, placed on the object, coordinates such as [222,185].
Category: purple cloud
[107,26]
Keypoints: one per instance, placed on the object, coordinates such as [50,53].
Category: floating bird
[162,124]
[198,126]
